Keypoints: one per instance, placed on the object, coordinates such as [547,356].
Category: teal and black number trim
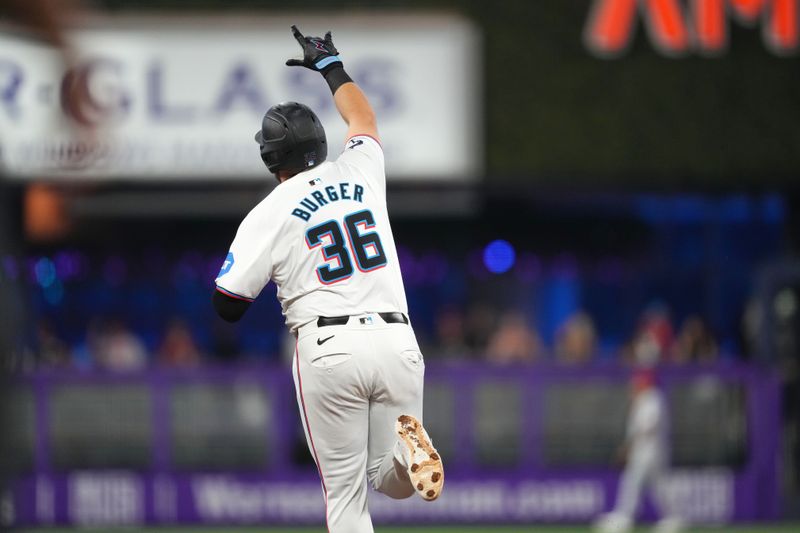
[365,245]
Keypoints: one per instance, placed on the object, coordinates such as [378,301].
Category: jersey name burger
[317,199]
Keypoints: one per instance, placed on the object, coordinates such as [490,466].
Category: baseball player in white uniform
[647,456]
[323,236]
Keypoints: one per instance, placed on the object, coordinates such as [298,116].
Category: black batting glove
[318,54]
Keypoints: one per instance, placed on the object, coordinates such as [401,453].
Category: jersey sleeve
[365,154]
[248,265]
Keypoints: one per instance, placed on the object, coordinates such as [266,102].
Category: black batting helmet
[291,138]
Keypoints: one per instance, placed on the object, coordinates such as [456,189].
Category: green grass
[758,528]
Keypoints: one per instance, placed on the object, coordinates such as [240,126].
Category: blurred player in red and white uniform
[646,455]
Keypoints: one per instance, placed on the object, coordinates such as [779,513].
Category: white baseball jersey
[324,237]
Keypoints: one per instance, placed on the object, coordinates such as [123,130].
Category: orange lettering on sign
[709,19]
[667,27]
[747,10]
[612,23]
[782,35]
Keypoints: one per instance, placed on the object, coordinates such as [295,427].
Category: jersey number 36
[365,245]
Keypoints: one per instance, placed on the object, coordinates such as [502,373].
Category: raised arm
[321,55]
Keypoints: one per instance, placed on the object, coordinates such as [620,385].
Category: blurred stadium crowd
[123,310]
[112,343]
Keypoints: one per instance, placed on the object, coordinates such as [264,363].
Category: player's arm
[247,267]
[356,111]
[321,55]
[229,308]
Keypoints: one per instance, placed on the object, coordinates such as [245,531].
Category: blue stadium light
[499,256]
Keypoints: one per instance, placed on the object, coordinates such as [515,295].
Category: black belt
[389,318]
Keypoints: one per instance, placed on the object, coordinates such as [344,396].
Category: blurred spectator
[451,339]
[178,348]
[480,324]
[118,348]
[514,341]
[84,353]
[694,343]
[576,339]
[51,351]
[653,338]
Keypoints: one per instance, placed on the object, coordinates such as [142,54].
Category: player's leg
[426,470]
[399,394]
[671,521]
[630,487]
[387,463]
[335,415]
[620,520]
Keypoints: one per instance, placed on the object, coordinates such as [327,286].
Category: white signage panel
[182,98]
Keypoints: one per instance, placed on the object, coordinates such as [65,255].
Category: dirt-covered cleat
[424,463]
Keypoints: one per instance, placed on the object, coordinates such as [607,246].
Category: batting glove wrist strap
[328,63]
[336,77]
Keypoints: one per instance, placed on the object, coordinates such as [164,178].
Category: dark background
[556,116]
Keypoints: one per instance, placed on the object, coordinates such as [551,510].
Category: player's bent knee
[395,488]
[396,493]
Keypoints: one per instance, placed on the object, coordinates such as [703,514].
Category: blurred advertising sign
[676,28]
[219,446]
[181,98]
[97,498]
[105,498]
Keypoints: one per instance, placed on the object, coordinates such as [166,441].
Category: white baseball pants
[352,382]
[646,469]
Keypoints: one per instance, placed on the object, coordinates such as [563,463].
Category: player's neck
[284,175]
